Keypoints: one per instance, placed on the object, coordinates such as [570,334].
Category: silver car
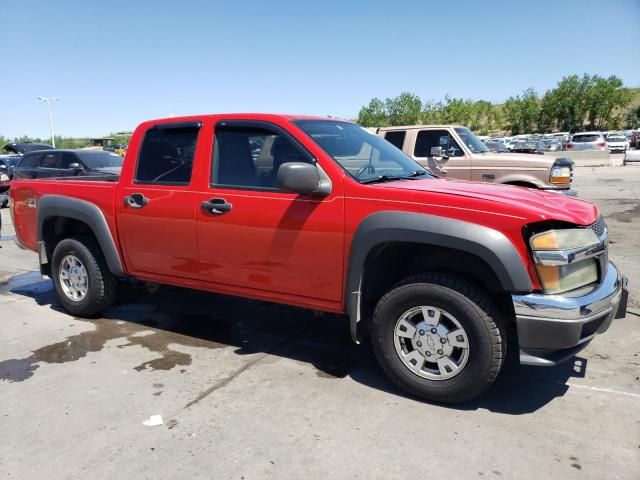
[552,144]
[617,142]
[587,141]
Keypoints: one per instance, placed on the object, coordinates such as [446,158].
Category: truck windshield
[364,155]
[472,142]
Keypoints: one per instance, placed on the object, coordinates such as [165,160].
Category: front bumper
[553,328]
[566,191]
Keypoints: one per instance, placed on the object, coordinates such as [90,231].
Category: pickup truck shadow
[192,318]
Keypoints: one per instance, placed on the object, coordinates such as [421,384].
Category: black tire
[475,312]
[102,285]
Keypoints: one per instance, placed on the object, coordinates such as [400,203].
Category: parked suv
[587,141]
[454,151]
[617,142]
[67,163]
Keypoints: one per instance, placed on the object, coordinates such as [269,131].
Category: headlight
[4,177]
[560,175]
[564,239]
[564,258]
[562,278]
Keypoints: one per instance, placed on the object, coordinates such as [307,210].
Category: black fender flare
[83,211]
[486,243]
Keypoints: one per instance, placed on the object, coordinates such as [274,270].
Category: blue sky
[116,63]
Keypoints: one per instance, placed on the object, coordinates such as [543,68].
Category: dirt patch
[627,216]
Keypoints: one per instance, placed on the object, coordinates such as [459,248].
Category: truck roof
[247,115]
[410,127]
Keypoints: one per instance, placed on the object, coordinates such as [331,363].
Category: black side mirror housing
[75,166]
[302,178]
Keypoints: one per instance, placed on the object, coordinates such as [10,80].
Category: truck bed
[99,190]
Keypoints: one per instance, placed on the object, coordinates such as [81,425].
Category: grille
[599,227]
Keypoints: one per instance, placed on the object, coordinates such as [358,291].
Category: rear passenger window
[166,155]
[395,138]
[251,156]
[50,160]
[30,160]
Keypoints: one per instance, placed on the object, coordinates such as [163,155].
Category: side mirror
[302,178]
[75,166]
[436,151]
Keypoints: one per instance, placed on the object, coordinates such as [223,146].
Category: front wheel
[84,284]
[439,338]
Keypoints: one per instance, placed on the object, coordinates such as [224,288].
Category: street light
[49,100]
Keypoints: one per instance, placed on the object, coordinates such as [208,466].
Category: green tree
[632,117]
[522,112]
[604,97]
[481,117]
[572,104]
[405,109]
[373,115]
[125,139]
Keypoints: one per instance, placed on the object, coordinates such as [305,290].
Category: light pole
[49,100]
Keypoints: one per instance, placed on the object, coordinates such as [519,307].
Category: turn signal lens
[560,175]
[564,239]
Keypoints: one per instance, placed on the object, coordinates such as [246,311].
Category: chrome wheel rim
[431,343]
[73,278]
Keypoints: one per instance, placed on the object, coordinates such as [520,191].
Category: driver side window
[250,156]
[436,138]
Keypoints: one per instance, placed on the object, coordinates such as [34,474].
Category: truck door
[156,209]
[454,162]
[253,235]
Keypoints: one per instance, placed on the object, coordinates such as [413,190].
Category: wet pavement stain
[78,346]
[162,321]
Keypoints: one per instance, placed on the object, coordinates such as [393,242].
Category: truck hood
[522,201]
[532,159]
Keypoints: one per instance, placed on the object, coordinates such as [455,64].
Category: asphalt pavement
[251,390]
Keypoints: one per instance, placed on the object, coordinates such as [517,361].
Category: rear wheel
[84,284]
[439,338]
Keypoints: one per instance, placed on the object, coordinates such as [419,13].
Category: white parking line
[601,389]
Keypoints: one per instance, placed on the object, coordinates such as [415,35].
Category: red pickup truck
[322,214]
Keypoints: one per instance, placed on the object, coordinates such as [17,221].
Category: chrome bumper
[569,191]
[552,328]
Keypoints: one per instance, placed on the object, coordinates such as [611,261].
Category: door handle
[216,206]
[135,200]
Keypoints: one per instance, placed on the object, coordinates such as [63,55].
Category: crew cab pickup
[322,214]
[454,151]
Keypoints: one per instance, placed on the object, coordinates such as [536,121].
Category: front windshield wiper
[389,178]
